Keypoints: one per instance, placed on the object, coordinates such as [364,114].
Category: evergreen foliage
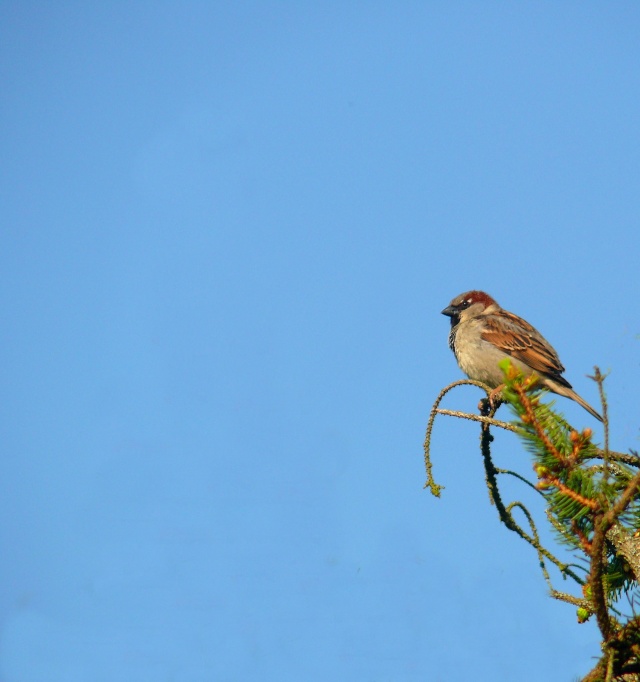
[592,500]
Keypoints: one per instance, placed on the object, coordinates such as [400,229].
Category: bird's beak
[450,311]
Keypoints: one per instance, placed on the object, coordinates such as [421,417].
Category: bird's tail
[570,393]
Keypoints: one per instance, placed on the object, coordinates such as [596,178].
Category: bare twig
[599,378]
[520,478]
[570,599]
[430,483]
[479,418]
[631,460]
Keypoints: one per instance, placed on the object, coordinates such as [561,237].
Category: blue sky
[228,233]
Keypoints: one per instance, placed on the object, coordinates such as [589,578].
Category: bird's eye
[465,304]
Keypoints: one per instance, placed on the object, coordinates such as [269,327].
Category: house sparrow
[482,334]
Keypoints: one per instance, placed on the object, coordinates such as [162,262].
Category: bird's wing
[518,338]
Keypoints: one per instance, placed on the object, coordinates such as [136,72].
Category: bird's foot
[492,402]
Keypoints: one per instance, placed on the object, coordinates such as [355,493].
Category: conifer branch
[594,507]
[547,480]
[584,540]
[529,418]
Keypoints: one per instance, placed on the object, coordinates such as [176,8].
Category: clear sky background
[228,231]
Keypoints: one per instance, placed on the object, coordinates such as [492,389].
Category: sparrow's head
[468,305]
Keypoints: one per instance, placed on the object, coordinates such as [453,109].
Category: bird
[483,334]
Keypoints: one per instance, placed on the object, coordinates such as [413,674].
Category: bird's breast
[477,358]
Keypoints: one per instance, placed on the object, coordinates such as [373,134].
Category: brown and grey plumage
[482,334]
